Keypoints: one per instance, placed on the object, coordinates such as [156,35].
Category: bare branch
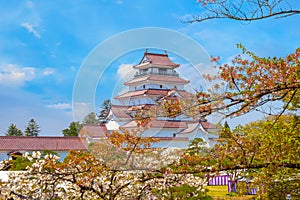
[242,10]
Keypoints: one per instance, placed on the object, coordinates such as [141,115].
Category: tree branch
[243,10]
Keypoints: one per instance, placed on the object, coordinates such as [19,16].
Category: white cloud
[48,71]
[73,68]
[184,18]
[29,4]
[61,106]
[12,75]
[195,75]
[80,110]
[125,71]
[122,91]
[188,72]
[119,2]
[31,28]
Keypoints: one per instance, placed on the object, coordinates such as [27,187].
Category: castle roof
[183,139]
[190,127]
[156,59]
[153,92]
[158,92]
[207,125]
[157,78]
[187,126]
[120,111]
[159,124]
[95,131]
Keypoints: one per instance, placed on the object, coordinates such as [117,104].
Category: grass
[220,193]
[217,191]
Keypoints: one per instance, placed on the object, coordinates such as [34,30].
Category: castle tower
[156,77]
[156,80]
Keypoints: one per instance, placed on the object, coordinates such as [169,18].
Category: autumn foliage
[251,83]
[265,153]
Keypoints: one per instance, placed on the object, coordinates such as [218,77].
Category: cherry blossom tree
[83,176]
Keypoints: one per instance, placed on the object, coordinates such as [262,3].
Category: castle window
[144,71]
[162,71]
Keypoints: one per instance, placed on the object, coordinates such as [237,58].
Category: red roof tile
[191,126]
[157,92]
[137,80]
[160,78]
[141,107]
[129,94]
[167,79]
[167,124]
[95,131]
[120,111]
[185,94]
[23,143]
[158,59]
[172,138]
[131,124]
[159,124]
[208,125]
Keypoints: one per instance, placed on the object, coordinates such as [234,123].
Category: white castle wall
[156,86]
[137,101]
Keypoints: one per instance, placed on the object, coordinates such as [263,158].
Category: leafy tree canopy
[13,131]
[32,128]
[72,130]
[266,152]
[250,85]
[91,118]
[105,108]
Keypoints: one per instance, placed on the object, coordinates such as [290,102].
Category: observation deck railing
[156,73]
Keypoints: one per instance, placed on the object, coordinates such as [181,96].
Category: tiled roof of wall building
[25,143]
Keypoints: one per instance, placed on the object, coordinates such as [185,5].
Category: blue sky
[44,43]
